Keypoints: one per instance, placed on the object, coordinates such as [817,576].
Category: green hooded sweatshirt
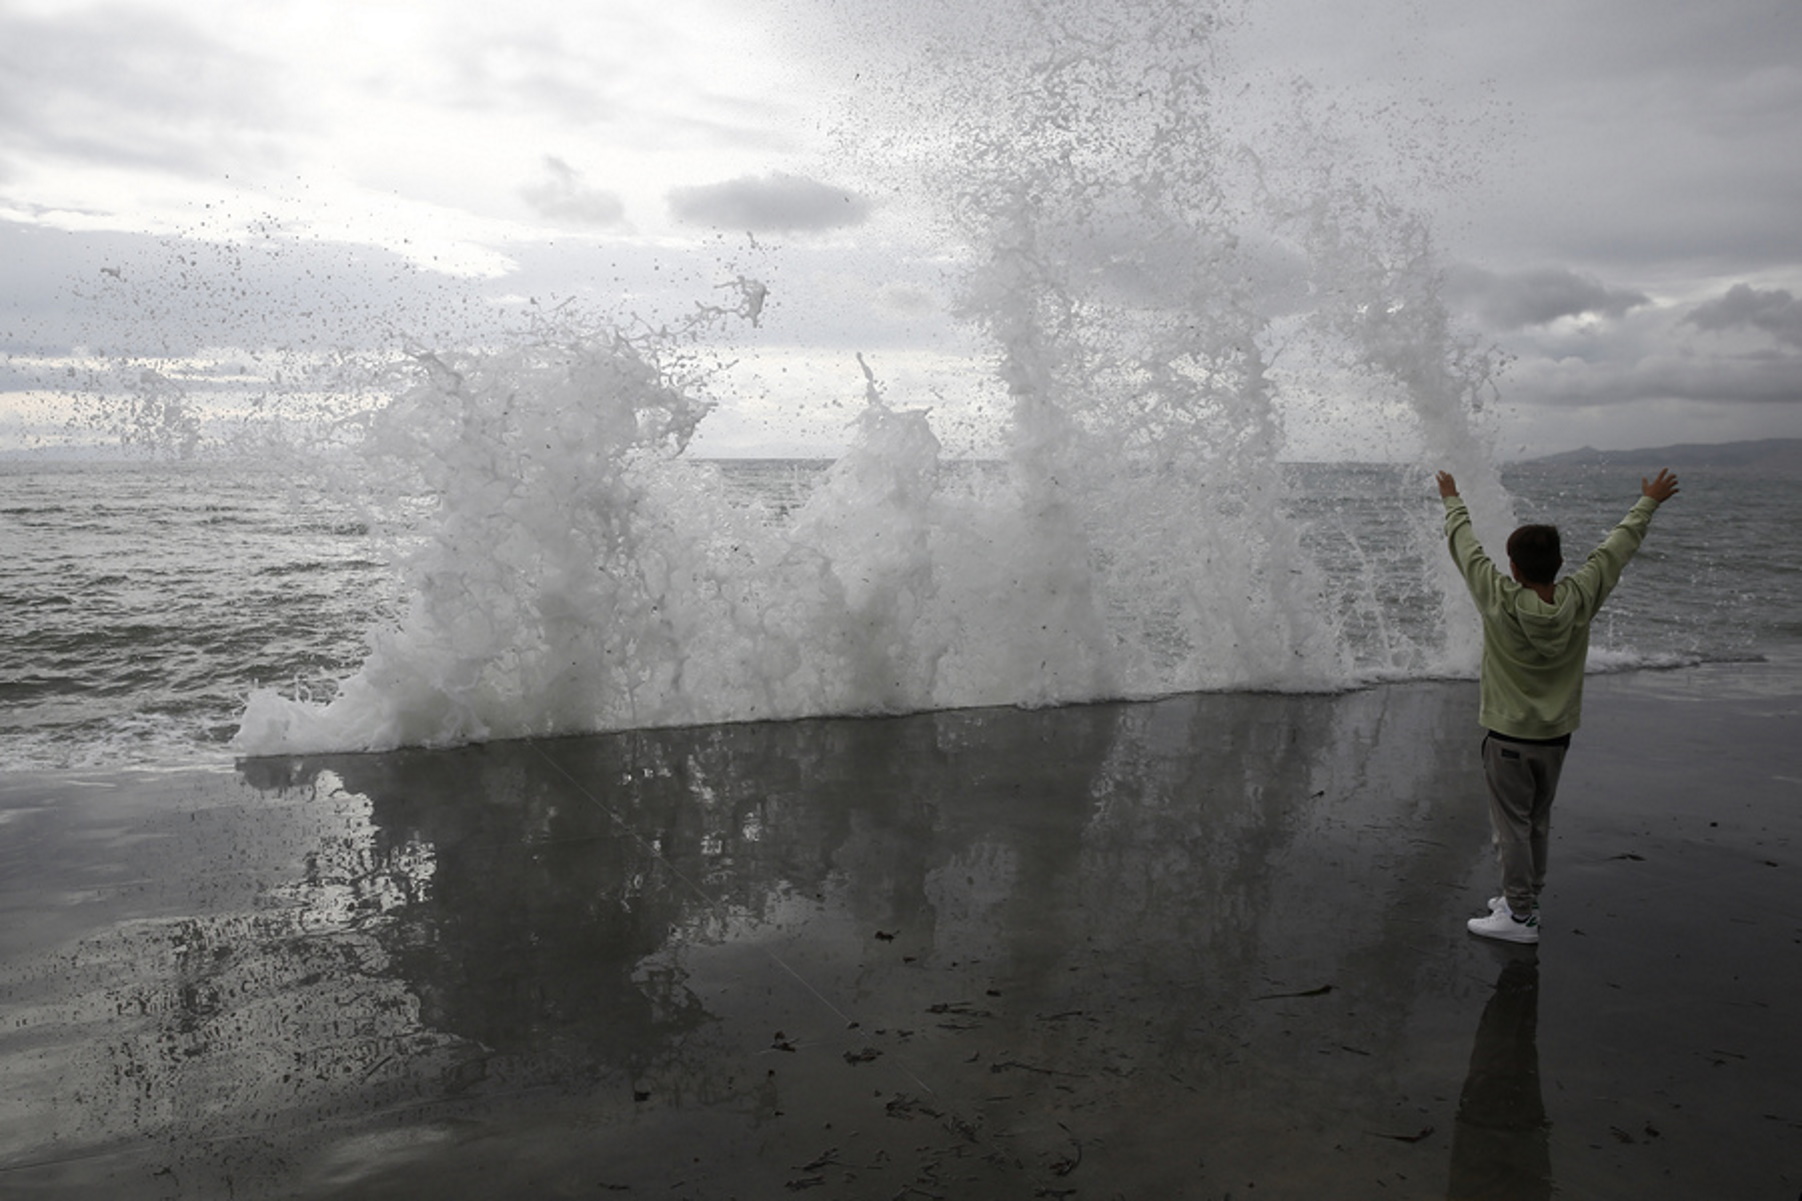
[1534,653]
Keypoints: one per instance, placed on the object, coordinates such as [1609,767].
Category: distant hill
[1768,454]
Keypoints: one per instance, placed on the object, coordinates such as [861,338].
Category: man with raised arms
[1535,644]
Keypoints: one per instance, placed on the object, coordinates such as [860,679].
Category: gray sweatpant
[1522,778]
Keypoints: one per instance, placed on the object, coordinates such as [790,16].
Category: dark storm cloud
[124,87]
[563,195]
[1516,300]
[1777,312]
[778,202]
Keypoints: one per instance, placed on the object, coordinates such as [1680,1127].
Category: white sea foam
[1611,660]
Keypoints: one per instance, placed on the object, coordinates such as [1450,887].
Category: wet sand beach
[1204,947]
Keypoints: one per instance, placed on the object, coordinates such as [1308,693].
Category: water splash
[1158,297]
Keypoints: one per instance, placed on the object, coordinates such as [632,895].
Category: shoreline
[1179,947]
[1775,665]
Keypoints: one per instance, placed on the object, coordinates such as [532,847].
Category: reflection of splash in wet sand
[949,932]
[944,920]
[176,1029]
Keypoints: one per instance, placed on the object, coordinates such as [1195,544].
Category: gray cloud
[1773,380]
[565,196]
[120,86]
[777,202]
[1519,299]
[129,294]
[1642,139]
[1712,361]
[1777,312]
[1655,355]
[534,67]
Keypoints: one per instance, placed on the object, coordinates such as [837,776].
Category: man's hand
[1449,486]
[1660,489]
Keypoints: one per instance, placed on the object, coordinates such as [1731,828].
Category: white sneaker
[1500,904]
[1504,925]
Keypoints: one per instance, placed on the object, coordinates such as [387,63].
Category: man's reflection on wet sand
[1501,1143]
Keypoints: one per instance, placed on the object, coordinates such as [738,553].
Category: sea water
[506,536]
[142,604]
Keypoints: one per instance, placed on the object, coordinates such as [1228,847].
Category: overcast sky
[1616,186]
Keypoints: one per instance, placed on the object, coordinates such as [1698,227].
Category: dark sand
[1205,947]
